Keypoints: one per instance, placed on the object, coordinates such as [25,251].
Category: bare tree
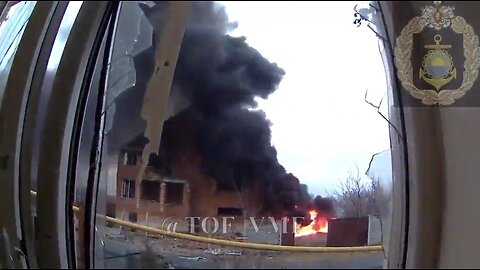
[349,196]
[357,198]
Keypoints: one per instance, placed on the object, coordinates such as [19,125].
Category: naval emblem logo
[437,68]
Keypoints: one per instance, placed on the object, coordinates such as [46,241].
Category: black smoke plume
[221,76]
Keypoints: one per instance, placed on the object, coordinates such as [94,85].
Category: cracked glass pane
[380,169]
[380,174]
[370,13]
[134,36]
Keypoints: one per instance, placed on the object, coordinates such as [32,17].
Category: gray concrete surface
[121,254]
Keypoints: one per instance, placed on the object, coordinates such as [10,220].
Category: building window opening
[128,188]
[174,193]
[195,227]
[129,158]
[151,190]
[132,217]
[229,211]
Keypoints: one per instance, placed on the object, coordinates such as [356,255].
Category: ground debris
[219,251]
[193,258]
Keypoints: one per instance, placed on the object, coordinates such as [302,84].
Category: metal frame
[55,145]
[398,243]
[94,92]
[30,136]
[51,122]
[3,4]
[12,116]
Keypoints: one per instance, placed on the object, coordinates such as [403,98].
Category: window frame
[58,131]
[128,182]
[150,182]
[18,220]
[166,193]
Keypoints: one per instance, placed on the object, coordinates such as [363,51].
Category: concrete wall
[347,232]
[374,231]
[266,234]
[461,217]
[315,240]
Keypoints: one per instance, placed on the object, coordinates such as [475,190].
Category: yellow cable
[230,243]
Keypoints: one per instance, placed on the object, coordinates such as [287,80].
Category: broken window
[151,190]
[128,188]
[132,217]
[229,211]
[174,193]
[129,158]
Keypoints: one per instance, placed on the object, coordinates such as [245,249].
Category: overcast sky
[322,127]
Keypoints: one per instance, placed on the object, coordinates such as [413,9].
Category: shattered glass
[381,165]
[370,12]
[381,169]
[134,35]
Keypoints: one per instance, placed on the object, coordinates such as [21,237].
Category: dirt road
[180,254]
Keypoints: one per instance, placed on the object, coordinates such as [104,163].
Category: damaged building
[216,157]
[175,185]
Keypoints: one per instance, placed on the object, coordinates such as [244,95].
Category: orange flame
[319,224]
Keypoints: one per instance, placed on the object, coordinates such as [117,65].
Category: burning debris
[217,78]
[319,224]
[320,210]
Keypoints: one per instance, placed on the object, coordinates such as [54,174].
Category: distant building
[179,191]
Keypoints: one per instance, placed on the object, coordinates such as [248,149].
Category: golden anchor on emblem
[437,66]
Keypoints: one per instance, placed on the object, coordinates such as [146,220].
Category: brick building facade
[175,186]
[186,192]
